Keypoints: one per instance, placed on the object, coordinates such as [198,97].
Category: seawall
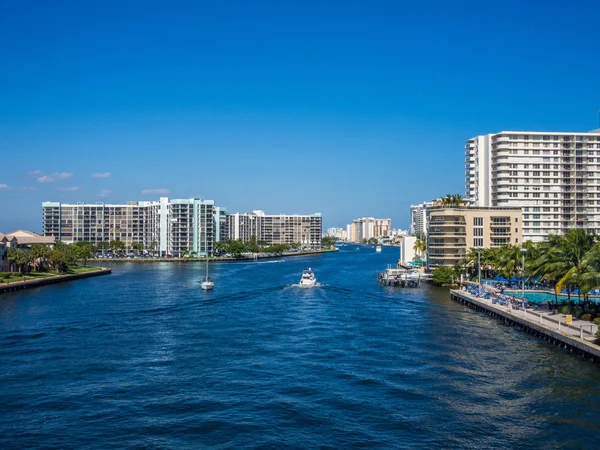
[216,258]
[550,328]
[28,284]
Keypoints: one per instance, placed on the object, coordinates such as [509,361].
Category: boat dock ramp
[401,277]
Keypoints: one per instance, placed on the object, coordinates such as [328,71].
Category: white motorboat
[378,249]
[208,284]
[308,278]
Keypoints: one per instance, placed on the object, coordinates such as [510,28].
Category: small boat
[378,249]
[308,278]
[207,284]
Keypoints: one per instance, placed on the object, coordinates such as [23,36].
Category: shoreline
[212,259]
[28,284]
[572,336]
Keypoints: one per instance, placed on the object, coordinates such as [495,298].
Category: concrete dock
[577,336]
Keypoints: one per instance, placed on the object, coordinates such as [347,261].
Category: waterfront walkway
[578,335]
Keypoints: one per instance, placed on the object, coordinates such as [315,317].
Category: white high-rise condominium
[553,177]
[418,218]
[175,227]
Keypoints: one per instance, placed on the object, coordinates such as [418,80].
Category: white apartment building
[170,227]
[276,228]
[338,233]
[367,228]
[418,218]
[553,177]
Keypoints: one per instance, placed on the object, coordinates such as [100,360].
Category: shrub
[597,341]
[597,321]
[586,317]
[4,275]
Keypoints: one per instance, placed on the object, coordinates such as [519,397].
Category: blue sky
[348,108]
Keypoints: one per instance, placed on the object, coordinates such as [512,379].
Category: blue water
[144,359]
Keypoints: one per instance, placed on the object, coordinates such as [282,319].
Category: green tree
[152,246]
[443,276]
[84,250]
[137,246]
[328,241]
[58,259]
[117,245]
[40,255]
[420,247]
[102,245]
[21,257]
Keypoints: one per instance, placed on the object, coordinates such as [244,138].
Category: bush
[442,276]
[597,341]
[597,321]
[587,317]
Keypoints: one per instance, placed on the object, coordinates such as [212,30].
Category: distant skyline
[347,108]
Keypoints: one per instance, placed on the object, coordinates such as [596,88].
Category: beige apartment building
[453,231]
[306,229]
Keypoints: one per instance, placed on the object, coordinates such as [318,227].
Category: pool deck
[577,336]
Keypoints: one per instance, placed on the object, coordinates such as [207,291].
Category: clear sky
[348,108]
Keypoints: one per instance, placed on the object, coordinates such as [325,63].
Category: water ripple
[145,359]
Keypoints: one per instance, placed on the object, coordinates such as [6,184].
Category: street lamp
[479,267]
[523,251]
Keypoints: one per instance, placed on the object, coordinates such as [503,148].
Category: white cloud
[3,186]
[62,175]
[68,189]
[103,193]
[35,173]
[101,175]
[156,191]
[46,179]
[28,188]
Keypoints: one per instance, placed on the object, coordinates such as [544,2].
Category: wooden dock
[576,337]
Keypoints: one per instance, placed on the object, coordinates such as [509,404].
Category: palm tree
[568,260]
[457,200]
[420,247]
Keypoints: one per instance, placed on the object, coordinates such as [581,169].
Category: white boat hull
[207,285]
[307,283]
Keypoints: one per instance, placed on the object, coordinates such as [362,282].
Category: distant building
[552,176]
[170,227]
[453,231]
[277,228]
[367,228]
[418,218]
[338,233]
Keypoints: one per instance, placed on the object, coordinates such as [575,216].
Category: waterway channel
[143,358]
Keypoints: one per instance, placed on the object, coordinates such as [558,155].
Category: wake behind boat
[308,278]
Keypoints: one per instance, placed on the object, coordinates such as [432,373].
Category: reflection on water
[145,358]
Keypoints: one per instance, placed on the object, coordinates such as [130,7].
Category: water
[144,359]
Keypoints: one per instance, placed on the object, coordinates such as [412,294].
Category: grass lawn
[81,269]
[18,278]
